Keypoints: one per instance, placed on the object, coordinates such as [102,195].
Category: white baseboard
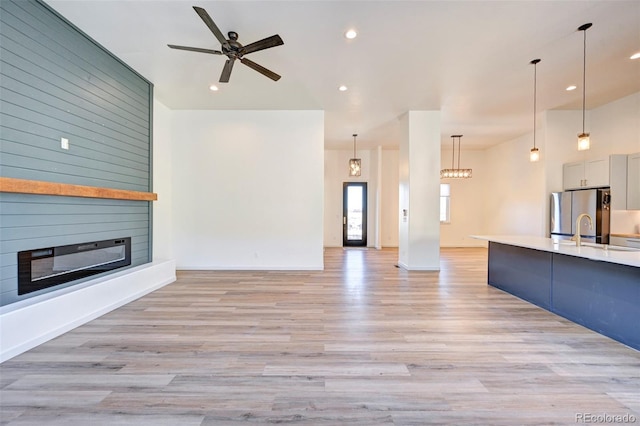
[249,268]
[28,326]
[418,268]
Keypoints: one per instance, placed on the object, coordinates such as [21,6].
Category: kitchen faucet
[577,237]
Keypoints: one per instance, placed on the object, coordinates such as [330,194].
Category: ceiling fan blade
[226,71]
[265,43]
[195,49]
[212,25]
[262,70]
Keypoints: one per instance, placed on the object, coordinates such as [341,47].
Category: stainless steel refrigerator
[567,206]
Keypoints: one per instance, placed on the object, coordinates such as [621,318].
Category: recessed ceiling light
[635,56]
[213,88]
[572,87]
[342,88]
[351,34]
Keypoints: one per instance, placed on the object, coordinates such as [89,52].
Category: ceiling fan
[233,49]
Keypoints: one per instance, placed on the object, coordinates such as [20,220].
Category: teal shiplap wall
[55,82]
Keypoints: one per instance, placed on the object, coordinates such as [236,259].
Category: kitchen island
[593,285]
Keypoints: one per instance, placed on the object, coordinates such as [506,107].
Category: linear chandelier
[455,172]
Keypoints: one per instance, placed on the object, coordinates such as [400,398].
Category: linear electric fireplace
[47,267]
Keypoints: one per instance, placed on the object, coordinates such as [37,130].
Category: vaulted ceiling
[469,59]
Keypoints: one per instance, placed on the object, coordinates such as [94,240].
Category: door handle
[344,220]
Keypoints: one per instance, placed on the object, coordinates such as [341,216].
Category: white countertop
[597,252]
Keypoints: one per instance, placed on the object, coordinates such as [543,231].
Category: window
[445,203]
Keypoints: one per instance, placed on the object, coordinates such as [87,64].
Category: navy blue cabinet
[602,296]
[529,280]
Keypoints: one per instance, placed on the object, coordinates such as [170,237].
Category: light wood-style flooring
[360,343]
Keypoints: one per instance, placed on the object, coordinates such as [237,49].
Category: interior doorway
[354,214]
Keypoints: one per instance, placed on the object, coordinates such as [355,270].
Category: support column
[378,240]
[419,191]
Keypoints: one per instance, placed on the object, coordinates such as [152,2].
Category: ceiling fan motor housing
[234,47]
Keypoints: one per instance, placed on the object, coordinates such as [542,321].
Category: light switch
[64,143]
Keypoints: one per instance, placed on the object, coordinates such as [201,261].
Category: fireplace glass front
[47,267]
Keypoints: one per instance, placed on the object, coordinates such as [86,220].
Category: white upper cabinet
[586,174]
[610,171]
[596,173]
[633,181]
[573,175]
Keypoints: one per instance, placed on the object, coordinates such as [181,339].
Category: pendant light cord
[354,145]
[584,77]
[458,152]
[535,80]
[535,91]
[453,152]
[584,29]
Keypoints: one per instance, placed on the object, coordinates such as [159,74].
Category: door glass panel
[354,213]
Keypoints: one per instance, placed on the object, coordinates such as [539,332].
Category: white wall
[560,145]
[376,159]
[616,127]
[617,131]
[336,172]
[382,202]
[507,194]
[514,194]
[524,187]
[469,198]
[625,221]
[162,183]
[389,192]
[248,189]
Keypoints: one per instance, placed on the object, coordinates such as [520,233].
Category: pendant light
[455,172]
[354,163]
[534,155]
[583,138]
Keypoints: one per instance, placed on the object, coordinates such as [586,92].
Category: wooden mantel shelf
[25,186]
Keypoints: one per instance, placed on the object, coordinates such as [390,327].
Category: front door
[354,214]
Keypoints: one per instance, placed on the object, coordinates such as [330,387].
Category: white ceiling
[469,59]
